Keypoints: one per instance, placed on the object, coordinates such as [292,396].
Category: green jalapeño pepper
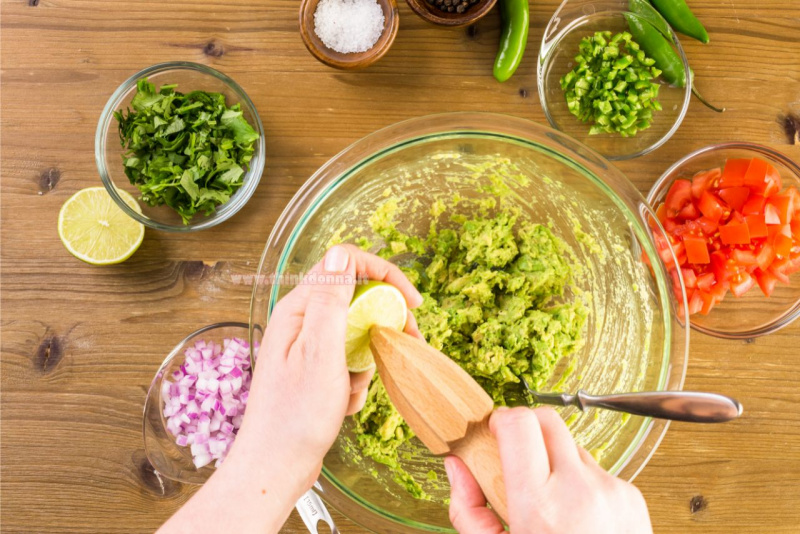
[516,20]
[667,60]
[645,9]
[681,18]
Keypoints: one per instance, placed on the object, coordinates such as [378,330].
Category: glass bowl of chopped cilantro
[610,78]
[186,141]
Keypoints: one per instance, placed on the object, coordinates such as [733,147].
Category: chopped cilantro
[187,151]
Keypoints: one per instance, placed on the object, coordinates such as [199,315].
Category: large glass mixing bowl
[634,339]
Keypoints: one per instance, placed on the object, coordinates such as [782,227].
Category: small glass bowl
[108,151]
[753,314]
[574,20]
[164,454]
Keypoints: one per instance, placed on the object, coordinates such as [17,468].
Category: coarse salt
[348,26]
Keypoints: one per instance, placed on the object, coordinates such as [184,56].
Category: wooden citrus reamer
[443,405]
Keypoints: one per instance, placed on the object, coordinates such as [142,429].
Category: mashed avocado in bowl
[493,291]
[535,260]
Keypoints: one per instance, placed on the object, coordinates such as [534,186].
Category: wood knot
[698,503]
[523,92]
[212,49]
[791,127]
[48,354]
[472,31]
[151,479]
[48,179]
[194,270]
[33,3]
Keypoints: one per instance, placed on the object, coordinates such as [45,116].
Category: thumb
[325,318]
[468,511]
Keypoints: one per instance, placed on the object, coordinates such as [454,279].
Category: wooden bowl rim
[421,8]
[355,60]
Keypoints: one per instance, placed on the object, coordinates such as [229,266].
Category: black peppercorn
[453,6]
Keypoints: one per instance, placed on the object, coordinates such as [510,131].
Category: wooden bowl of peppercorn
[451,13]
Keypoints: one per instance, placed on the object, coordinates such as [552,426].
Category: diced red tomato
[757,226]
[771,214]
[707,226]
[678,196]
[744,257]
[795,227]
[783,205]
[779,269]
[766,281]
[765,256]
[734,172]
[661,213]
[783,245]
[712,207]
[689,227]
[783,229]
[703,181]
[719,266]
[754,205]
[705,281]
[734,233]
[689,212]
[773,181]
[695,303]
[741,284]
[762,177]
[696,249]
[708,302]
[689,278]
[729,229]
[735,197]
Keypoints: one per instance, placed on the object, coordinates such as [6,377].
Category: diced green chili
[612,84]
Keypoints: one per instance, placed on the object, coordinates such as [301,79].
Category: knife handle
[478,450]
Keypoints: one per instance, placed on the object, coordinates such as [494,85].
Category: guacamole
[494,301]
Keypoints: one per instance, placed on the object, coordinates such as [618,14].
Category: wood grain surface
[80,343]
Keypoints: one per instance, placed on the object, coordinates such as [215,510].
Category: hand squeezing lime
[374,303]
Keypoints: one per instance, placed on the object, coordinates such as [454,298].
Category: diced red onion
[205,401]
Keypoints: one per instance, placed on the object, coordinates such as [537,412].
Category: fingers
[468,511]
[586,456]
[376,268]
[356,401]
[561,448]
[360,381]
[412,328]
[325,318]
[520,439]
[524,458]
[285,322]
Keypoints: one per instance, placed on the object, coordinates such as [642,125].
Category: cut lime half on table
[374,303]
[94,229]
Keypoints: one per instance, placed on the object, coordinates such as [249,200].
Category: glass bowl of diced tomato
[731,214]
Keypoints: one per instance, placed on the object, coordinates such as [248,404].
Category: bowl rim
[251,178]
[358,60]
[450,20]
[414,130]
[787,317]
[551,38]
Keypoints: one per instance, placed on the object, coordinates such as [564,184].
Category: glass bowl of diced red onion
[738,202]
[196,402]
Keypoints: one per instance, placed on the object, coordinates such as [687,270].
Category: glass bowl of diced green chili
[186,141]
[598,83]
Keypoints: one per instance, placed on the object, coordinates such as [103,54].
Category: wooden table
[80,343]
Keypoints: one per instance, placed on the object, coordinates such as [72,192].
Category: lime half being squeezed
[374,303]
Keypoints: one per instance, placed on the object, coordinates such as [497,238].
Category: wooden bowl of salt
[348,34]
